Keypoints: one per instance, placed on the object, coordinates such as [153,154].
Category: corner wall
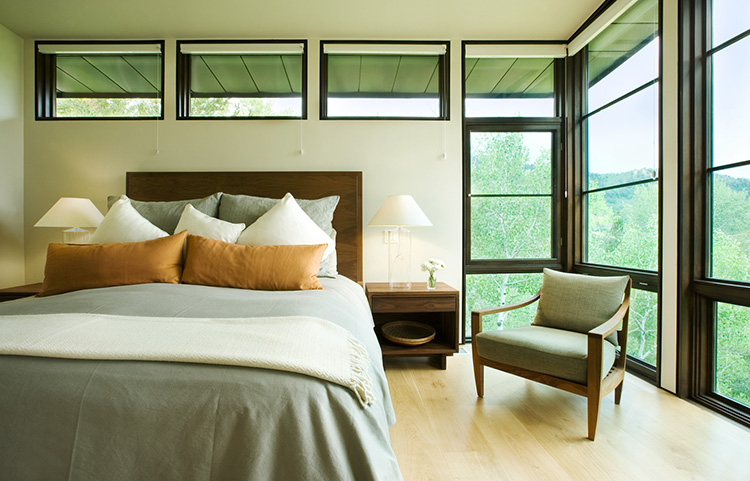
[11,159]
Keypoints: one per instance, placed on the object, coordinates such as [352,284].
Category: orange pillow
[212,262]
[71,267]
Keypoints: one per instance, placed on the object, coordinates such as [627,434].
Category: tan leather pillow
[72,267]
[211,262]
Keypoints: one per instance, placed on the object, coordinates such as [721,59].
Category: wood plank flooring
[522,430]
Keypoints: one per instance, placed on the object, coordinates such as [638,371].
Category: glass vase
[431,281]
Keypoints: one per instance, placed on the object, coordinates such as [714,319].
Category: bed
[133,419]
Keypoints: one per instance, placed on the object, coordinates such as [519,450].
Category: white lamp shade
[71,212]
[399,210]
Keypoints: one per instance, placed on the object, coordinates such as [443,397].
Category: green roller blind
[259,75]
[509,78]
[622,39]
[383,76]
[108,75]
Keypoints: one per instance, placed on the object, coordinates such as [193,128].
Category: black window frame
[182,86]
[699,293]
[559,259]
[45,79]
[443,79]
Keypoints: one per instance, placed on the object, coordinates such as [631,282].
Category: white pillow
[124,224]
[198,223]
[286,224]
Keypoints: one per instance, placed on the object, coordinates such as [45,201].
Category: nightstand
[435,307]
[18,292]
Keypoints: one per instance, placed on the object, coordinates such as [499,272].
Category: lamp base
[399,259]
[76,235]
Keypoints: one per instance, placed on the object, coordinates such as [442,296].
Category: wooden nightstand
[437,307]
[18,292]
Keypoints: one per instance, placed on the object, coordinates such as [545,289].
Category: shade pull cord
[445,142]
[299,139]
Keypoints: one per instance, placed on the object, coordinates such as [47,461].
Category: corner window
[384,81]
[235,80]
[620,187]
[99,80]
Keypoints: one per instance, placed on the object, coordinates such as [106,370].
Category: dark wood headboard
[347,220]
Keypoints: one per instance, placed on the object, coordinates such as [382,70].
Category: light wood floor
[527,431]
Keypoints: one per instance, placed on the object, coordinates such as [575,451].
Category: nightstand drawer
[414,304]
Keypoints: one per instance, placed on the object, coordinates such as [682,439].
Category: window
[99,80]
[512,185]
[384,80]
[721,167]
[232,80]
[621,165]
[499,84]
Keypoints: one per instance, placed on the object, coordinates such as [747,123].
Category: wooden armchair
[571,344]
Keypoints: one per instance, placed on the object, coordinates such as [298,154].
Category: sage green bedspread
[134,420]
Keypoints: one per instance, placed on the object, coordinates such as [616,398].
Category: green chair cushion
[579,303]
[555,352]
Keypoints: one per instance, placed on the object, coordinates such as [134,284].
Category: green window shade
[246,75]
[632,33]
[510,77]
[510,87]
[113,76]
[383,76]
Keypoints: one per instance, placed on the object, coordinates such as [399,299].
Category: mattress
[132,420]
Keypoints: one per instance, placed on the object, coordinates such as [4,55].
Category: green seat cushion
[579,303]
[555,352]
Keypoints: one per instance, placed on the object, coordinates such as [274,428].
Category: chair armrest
[609,326]
[476,316]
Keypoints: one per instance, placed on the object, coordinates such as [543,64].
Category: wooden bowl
[408,333]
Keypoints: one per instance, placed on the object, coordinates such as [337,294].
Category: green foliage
[107,107]
[733,352]
[623,226]
[730,250]
[509,227]
[234,107]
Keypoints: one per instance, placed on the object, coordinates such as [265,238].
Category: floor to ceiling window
[511,177]
[618,230]
[722,227]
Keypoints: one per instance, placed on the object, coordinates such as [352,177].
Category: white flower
[431,265]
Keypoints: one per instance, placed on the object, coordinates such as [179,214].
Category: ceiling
[326,19]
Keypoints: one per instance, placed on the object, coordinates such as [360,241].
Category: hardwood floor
[527,431]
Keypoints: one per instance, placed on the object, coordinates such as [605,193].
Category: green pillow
[579,303]
[166,215]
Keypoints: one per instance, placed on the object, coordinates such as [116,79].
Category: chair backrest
[579,303]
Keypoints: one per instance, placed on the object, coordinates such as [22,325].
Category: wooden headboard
[347,220]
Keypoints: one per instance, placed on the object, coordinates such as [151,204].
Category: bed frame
[347,220]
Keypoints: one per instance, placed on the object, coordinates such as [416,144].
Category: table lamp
[399,211]
[72,213]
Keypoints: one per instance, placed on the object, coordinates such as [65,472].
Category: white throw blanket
[305,345]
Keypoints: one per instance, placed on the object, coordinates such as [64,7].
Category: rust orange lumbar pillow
[269,268]
[71,267]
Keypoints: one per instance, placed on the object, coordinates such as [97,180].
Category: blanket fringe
[360,381]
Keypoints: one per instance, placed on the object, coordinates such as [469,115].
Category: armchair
[572,343]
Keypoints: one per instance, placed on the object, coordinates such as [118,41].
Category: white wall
[11,159]
[90,158]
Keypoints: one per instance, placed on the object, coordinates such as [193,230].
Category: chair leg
[478,374]
[618,392]
[594,400]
